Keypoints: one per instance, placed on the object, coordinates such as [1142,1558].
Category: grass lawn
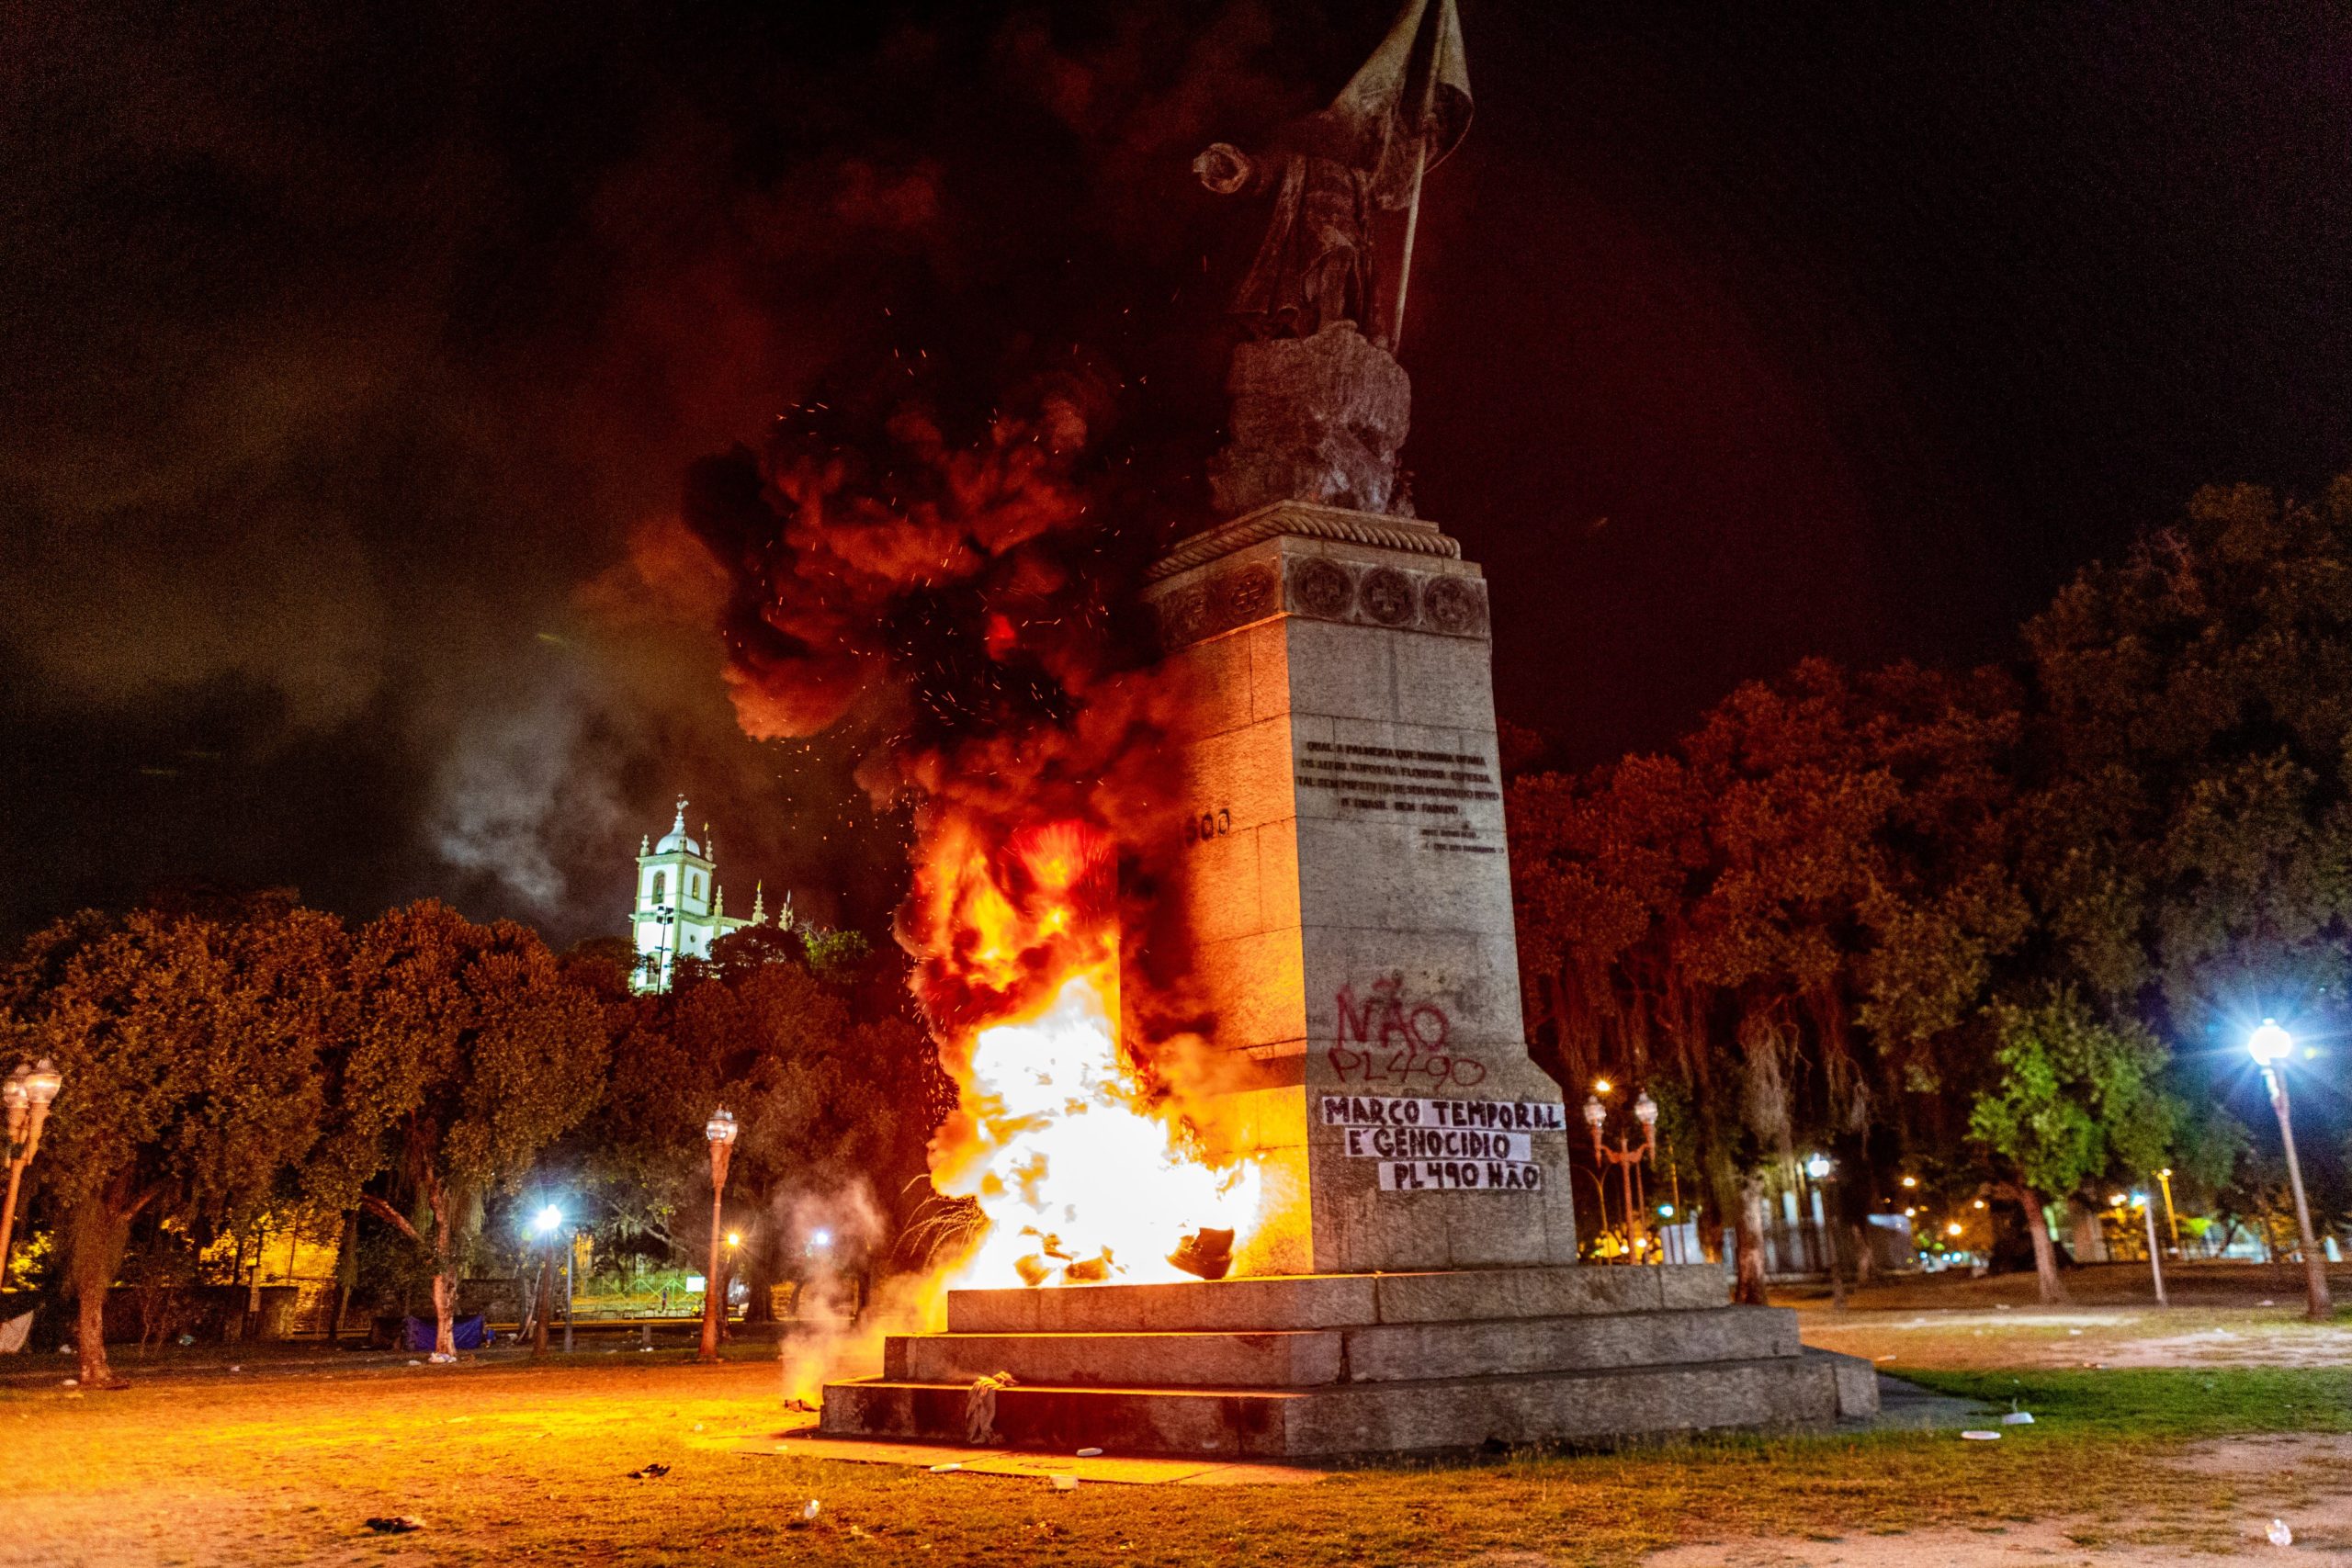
[507,1461]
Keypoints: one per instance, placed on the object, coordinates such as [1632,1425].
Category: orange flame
[1080,1171]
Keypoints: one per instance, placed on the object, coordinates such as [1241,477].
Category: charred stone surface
[1315,419]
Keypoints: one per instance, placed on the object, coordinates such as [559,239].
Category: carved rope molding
[1307,521]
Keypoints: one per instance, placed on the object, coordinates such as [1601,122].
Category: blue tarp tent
[469,1332]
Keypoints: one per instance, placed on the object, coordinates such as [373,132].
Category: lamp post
[1825,1229]
[2156,1262]
[721,1132]
[1624,1157]
[26,1093]
[2269,1046]
[665,916]
[2172,1220]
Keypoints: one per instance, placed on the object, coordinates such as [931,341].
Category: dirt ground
[2303,1482]
[2166,1436]
[2220,1315]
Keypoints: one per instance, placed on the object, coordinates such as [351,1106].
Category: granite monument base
[1322,1366]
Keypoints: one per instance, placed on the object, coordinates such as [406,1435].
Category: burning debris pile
[951,601]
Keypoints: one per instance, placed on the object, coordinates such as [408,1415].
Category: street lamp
[26,1093]
[2172,1220]
[2269,1045]
[721,1130]
[1624,1157]
[664,916]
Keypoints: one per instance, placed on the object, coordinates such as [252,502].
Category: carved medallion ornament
[1323,589]
[1388,596]
[1453,606]
[1184,616]
[1248,594]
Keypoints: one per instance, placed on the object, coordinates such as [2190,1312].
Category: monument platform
[1329,1365]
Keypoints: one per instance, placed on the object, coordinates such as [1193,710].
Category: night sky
[351,356]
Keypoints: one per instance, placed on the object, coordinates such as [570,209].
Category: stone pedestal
[1347,893]
[1412,1284]
[1333,1365]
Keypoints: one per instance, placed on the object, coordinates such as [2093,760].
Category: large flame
[1083,1172]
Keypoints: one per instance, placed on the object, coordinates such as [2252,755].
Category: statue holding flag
[1330,172]
[1319,404]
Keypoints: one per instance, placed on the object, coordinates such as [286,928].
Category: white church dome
[675,839]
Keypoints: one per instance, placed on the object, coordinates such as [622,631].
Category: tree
[472,1052]
[1785,917]
[194,1047]
[2188,842]
[2070,1097]
[834,1088]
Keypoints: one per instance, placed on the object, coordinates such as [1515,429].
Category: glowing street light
[721,1130]
[2269,1045]
[1624,1157]
[2172,1220]
[1818,1168]
[26,1093]
[544,1226]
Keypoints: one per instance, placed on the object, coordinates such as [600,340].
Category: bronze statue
[1331,171]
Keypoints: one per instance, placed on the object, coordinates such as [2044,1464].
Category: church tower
[680,908]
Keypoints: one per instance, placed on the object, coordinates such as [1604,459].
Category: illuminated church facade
[680,908]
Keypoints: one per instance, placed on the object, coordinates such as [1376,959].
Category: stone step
[1332,1301]
[1432,1416]
[1372,1353]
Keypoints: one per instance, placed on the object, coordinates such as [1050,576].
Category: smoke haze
[353,358]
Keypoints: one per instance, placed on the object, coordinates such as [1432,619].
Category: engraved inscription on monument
[1431,788]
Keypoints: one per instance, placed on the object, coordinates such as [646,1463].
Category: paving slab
[1118,1470]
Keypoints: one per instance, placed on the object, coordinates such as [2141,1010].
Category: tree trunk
[2045,1255]
[100,1227]
[1747,1290]
[347,1274]
[445,1284]
[760,1276]
[250,1331]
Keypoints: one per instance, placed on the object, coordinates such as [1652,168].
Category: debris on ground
[1981,1437]
[800,1406]
[808,1516]
[2017,1418]
[1089,1454]
[2279,1534]
[1206,1254]
[945,1469]
[396,1524]
[649,1472]
[1065,1481]
[979,1406]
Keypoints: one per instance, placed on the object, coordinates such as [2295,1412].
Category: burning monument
[1362,1168]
